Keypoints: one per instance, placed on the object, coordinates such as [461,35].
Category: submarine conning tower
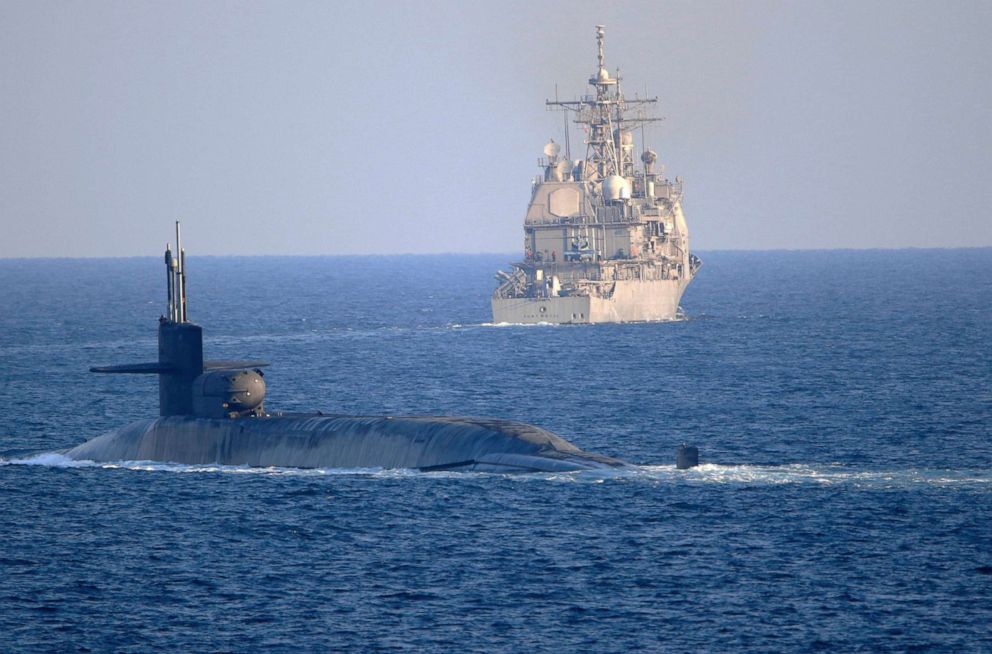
[188,385]
[180,342]
[180,349]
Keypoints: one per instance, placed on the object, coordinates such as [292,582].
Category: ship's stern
[553,310]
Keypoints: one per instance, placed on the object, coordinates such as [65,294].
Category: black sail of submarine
[212,412]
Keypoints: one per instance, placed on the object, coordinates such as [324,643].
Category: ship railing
[608,218]
[558,220]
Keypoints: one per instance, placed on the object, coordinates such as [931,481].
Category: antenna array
[175,270]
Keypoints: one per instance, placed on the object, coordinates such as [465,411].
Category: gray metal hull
[630,301]
[319,441]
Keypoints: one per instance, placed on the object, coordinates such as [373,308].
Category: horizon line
[491,253]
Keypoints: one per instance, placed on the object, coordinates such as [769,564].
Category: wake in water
[456,325]
[822,474]
[58,460]
[706,474]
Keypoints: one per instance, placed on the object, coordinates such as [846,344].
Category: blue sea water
[840,399]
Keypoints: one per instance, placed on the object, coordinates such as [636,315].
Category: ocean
[841,402]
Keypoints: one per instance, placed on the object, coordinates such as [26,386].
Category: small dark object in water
[686,456]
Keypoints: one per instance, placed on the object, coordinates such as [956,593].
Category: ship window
[544,309]
[582,315]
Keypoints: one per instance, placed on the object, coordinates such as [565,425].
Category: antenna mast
[182,277]
[175,269]
[603,117]
[599,43]
[564,117]
[168,281]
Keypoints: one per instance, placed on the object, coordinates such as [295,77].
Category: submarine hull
[328,441]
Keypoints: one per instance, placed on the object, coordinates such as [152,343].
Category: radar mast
[609,145]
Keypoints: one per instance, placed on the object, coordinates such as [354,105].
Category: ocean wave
[507,324]
[740,475]
[48,459]
[819,474]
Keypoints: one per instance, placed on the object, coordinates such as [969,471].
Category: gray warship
[604,240]
[213,412]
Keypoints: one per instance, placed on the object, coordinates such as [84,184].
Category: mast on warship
[609,146]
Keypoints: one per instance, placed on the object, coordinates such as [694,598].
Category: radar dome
[615,188]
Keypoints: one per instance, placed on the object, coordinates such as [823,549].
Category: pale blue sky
[384,127]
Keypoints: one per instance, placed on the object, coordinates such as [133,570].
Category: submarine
[213,412]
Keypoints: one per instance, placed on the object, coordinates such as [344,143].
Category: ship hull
[629,301]
[319,441]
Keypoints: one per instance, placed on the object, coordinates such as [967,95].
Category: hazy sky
[384,127]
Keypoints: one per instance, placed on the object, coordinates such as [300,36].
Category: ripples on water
[844,503]
[707,473]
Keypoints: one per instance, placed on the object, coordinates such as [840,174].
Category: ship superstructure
[605,240]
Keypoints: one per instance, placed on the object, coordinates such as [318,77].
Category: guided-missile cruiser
[213,412]
[604,240]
